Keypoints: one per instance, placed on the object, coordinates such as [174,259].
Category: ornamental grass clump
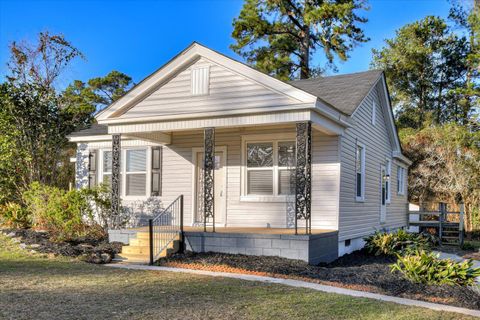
[426,268]
[397,243]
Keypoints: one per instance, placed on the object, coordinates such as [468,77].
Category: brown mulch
[358,271]
[90,250]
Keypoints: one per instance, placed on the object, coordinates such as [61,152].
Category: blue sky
[137,37]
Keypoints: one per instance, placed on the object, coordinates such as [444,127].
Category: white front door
[383,194]
[219,188]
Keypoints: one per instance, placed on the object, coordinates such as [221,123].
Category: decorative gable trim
[187,57]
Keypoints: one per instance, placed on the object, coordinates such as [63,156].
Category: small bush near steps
[397,243]
[426,268]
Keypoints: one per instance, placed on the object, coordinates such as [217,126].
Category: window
[360,172]
[374,112]
[200,78]
[388,167]
[270,168]
[401,181]
[107,167]
[134,170]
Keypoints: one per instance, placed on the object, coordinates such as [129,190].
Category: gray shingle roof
[343,92]
[94,130]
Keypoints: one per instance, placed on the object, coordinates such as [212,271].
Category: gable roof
[183,60]
[343,92]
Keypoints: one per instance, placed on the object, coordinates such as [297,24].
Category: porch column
[208,177]
[303,175]
[115,184]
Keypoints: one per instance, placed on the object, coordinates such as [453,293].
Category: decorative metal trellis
[115,185]
[208,177]
[303,175]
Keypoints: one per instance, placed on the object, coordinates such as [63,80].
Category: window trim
[404,171]
[262,138]
[374,112]
[388,170]
[362,171]
[123,171]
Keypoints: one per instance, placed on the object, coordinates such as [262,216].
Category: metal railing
[165,228]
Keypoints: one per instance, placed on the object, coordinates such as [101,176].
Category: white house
[253,157]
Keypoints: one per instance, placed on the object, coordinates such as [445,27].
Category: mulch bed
[90,250]
[358,271]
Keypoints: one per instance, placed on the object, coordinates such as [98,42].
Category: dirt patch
[90,250]
[358,270]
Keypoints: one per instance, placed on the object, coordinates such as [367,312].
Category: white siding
[227,91]
[358,219]
[177,177]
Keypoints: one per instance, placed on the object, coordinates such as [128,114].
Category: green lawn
[36,287]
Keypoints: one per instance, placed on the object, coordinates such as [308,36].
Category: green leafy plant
[66,215]
[425,267]
[399,242]
[13,215]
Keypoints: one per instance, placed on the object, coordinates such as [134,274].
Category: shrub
[399,242]
[13,215]
[427,268]
[66,215]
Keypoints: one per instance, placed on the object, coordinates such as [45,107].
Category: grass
[33,286]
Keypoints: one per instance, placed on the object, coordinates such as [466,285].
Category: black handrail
[165,227]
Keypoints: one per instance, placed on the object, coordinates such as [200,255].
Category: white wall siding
[178,175]
[227,90]
[358,219]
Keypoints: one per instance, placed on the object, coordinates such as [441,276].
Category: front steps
[138,249]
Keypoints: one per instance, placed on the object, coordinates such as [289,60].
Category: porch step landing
[138,249]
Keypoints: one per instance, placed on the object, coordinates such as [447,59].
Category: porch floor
[276,231]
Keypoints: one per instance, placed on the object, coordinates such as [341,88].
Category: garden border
[308,285]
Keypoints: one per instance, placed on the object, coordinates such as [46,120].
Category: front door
[219,188]
[383,194]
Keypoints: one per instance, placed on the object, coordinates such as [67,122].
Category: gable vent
[200,81]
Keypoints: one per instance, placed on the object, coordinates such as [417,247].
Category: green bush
[427,268]
[13,215]
[399,242]
[65,214]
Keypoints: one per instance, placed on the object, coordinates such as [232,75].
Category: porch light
[386,177]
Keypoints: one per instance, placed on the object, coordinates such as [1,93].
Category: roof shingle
[343,92]
[94,130]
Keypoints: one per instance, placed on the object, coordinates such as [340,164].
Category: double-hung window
[269,168]
[133,171]
[360,172]
[136,172]
[401,180]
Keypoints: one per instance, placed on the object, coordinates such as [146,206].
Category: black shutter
[92,168]
[156,177]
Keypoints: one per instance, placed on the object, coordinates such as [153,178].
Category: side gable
[169,82]
[380,92]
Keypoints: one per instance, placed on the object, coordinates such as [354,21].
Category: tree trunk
[305,54]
